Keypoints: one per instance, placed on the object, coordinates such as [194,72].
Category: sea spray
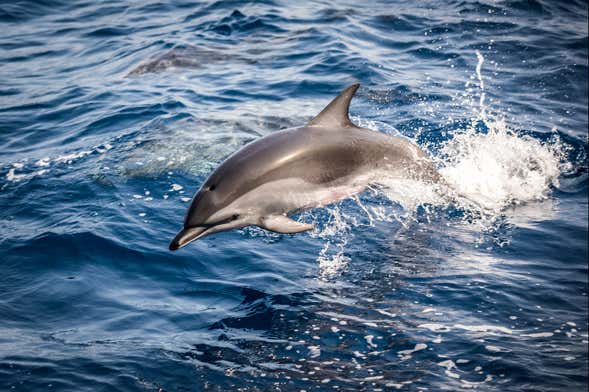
[487,166]
[500,168]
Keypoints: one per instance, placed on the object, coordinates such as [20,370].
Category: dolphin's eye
[234,216]
[212,187]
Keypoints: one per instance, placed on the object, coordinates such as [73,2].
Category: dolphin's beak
[187,235]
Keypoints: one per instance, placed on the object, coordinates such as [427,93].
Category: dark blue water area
[112,114]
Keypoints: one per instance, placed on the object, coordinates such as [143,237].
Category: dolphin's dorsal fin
[336,113]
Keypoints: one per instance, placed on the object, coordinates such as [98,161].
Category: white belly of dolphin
[291,194]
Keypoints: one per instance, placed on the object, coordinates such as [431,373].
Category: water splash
[480,62]
[335,234]
[500,168]
[488,167]
[26,169]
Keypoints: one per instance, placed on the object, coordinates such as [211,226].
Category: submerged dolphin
[185,57]
[326,160]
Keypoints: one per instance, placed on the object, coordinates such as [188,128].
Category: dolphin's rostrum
[326,160]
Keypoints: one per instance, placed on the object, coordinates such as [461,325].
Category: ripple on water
[112,115]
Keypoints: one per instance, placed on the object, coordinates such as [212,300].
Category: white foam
[410,194]
[12,175]
[500,168]
[29,169]
[331,258]
[70,158]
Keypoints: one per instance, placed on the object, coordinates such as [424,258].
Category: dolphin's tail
[451,195]
[429,174]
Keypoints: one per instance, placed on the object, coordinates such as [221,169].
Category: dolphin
[327,160]
[188,56]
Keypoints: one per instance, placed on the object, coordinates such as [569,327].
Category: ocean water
[113,113]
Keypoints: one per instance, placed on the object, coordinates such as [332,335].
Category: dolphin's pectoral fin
[283,224]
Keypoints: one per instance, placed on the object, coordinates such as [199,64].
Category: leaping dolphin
[326,160]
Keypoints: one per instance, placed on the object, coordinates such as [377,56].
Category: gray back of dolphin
[323,161]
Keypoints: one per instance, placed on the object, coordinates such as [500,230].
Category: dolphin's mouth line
[221,222]
[192,233]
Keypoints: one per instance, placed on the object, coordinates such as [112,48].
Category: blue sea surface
[112,114]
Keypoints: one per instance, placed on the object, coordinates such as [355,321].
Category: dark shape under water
[181,57]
